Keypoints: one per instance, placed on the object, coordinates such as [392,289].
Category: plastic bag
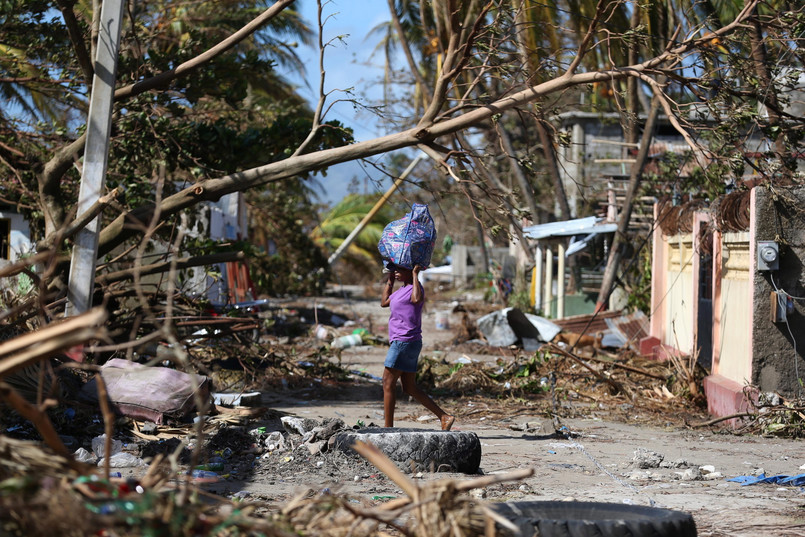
[410,240]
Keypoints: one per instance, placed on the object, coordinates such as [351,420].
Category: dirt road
[598,461]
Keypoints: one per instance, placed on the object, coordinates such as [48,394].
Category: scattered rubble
[163,456]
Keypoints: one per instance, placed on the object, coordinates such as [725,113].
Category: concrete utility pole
[96,155]
[366,219]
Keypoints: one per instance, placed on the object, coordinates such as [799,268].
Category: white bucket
[442,320]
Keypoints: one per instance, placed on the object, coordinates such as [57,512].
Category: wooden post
[547,295]
[96,155]
[560,281]
[539,268]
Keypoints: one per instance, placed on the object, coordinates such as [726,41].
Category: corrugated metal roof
[632,328]
[593,323]
[618,329]
[567,228]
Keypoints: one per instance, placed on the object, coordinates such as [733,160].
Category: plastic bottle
[212,466]
[203,474]
[351,340]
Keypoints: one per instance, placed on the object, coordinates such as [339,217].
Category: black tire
[596,519]
[417,450]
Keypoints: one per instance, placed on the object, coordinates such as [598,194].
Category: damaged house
[727,286]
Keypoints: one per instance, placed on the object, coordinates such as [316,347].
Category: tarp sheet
[791,480]
[149,393]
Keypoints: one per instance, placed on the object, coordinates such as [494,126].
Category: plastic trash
[122,460]
[99,445]
[351,340]
[275,441]
[211,466]
[442,320]
[236,399]
[82,455]
[321,332]
[203,474]
[783,479]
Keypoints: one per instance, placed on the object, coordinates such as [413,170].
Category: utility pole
[382,201]
[96,156]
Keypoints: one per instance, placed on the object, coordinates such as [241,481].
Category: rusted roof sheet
[620,329]
[632,328]
[587,324]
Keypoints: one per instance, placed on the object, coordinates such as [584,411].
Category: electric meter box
[768,255]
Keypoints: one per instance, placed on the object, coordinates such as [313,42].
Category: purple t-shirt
[405,321]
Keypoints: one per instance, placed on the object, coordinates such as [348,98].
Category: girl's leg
[390,377]
[411,388]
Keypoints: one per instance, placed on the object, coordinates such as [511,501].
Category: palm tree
[361,255]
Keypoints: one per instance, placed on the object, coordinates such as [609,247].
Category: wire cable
[790,333]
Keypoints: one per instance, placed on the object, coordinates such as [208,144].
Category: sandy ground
[595,464]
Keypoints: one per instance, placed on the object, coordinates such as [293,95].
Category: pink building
[727,282]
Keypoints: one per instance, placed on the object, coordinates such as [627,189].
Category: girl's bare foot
[447,422]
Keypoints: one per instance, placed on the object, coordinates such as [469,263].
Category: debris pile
[53,495]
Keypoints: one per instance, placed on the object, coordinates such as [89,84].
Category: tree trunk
[768,93]
[630,134]
[482,240]
[546,140]
[616,251]
[525,186]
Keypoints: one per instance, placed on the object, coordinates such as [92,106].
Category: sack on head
[410,240]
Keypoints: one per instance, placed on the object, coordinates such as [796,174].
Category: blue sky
[347,65]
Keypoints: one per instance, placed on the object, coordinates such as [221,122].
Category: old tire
[596,519]
[417,450]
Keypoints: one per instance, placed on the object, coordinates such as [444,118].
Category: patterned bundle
[410,240]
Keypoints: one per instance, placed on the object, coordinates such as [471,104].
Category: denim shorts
[403,355]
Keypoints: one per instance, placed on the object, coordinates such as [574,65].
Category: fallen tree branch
[18,266]
[723,418]
[629,368]
[40,420]
[108,422]
[54,338]
[80,222]
[179,264]
[613,383]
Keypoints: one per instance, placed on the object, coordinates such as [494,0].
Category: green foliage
[639,278]
[232,114]
[286,258]
[533,364]
[521,300]
[361,256]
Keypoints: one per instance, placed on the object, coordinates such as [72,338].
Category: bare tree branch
[84,59]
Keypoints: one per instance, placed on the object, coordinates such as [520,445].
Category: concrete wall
[777,348]
[678,331]
[751,351]
[19,240]
[733,326]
